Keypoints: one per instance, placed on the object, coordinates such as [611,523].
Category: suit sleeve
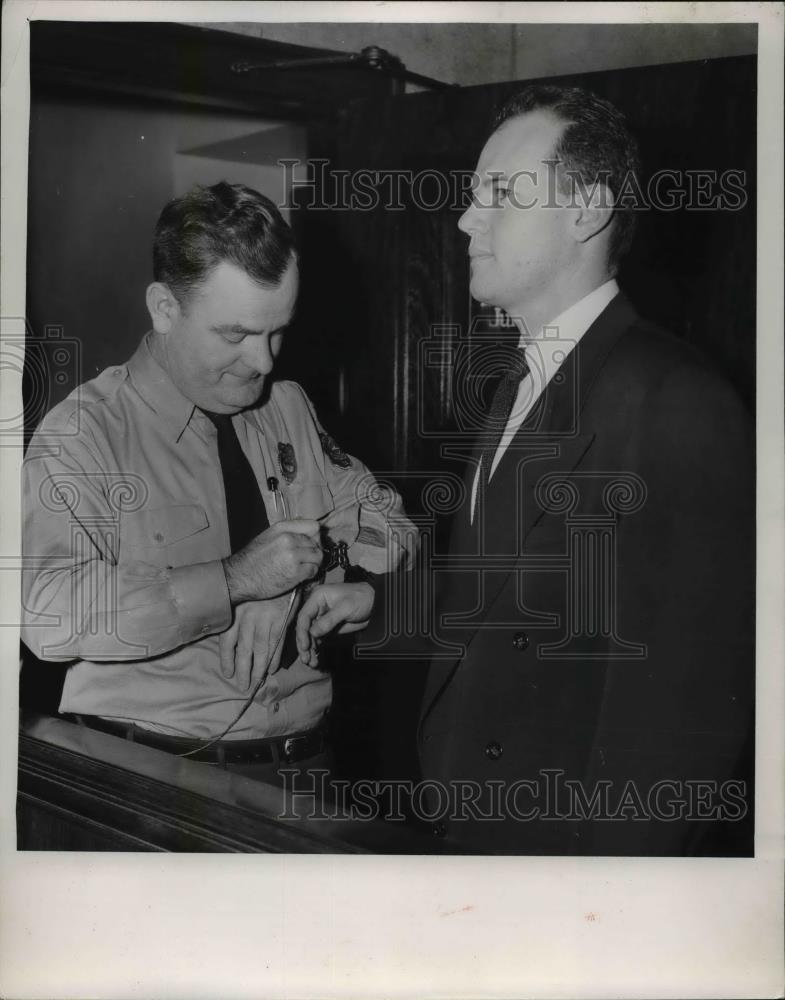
[674,726]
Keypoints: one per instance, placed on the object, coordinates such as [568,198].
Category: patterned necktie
[501,408]
[245,509]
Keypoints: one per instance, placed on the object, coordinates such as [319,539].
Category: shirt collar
[156,388]
[556,339]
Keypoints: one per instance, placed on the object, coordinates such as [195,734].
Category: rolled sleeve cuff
[201,596]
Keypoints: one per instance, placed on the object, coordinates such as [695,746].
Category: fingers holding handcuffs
[274,563]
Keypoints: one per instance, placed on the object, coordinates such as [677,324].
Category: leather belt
[272,750]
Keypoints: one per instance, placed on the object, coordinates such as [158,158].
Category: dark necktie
[501,408]
[245,509]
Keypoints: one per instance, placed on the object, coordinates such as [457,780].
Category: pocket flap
[164,525]
[309,500]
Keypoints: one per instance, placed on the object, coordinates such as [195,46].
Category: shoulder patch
[334,452]
[372,536]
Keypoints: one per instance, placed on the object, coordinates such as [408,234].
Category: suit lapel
[554,440]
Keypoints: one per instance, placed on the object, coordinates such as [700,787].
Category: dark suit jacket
[608,635]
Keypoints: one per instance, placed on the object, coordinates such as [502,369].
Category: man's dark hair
[595,146]
[225,222]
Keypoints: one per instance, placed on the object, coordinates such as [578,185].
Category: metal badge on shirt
[287,461]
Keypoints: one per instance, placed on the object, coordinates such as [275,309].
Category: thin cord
[259,683]
[270,659]
[281,632]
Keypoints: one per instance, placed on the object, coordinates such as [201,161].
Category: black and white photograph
[396,417]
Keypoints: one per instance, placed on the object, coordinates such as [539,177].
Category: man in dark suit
[599,593]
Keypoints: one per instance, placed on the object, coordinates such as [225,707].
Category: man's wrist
[366,587]
[234,582]
[201,596]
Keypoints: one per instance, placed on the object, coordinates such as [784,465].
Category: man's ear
[594,210]
[163,307]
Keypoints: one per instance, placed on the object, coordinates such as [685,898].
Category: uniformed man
[176,504]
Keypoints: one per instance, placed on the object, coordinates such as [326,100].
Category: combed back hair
[225,222]
[596,145]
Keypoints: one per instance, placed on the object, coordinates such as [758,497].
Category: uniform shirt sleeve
[80,600]
[386,540]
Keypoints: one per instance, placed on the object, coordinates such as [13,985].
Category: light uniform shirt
[545,355]
[125,526]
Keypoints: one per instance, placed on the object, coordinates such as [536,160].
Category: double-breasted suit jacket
[602,606]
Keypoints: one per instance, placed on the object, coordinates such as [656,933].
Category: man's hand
[245,647]
[274,562]
[345,607]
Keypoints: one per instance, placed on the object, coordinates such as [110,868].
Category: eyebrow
[493,177]
[244,330]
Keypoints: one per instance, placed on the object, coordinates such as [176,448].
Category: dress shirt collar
[556,339]
[156,388]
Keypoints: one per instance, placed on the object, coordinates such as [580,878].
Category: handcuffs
[336,554]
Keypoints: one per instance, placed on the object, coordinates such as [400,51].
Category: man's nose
[260,356]
[471,220]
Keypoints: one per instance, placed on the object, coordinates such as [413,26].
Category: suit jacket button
[439,830]
[520,641]
[494,751]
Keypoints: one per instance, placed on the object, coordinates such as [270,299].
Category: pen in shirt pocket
[278,497]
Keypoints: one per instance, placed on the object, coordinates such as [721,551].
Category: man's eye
[234,338]
[500,194]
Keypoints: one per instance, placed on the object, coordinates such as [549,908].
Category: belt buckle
[289,745]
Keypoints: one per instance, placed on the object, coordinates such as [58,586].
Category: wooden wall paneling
[692,271]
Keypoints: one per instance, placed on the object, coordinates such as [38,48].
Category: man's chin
[480,280]
[241,398]
[480,293]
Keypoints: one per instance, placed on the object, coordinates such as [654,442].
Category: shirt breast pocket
[310,500]
[171,536]
[314,501]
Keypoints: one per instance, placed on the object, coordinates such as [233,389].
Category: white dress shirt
[545,353]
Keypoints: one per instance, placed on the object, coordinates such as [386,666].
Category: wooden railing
[80,789]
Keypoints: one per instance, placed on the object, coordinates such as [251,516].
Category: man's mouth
[247,379]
